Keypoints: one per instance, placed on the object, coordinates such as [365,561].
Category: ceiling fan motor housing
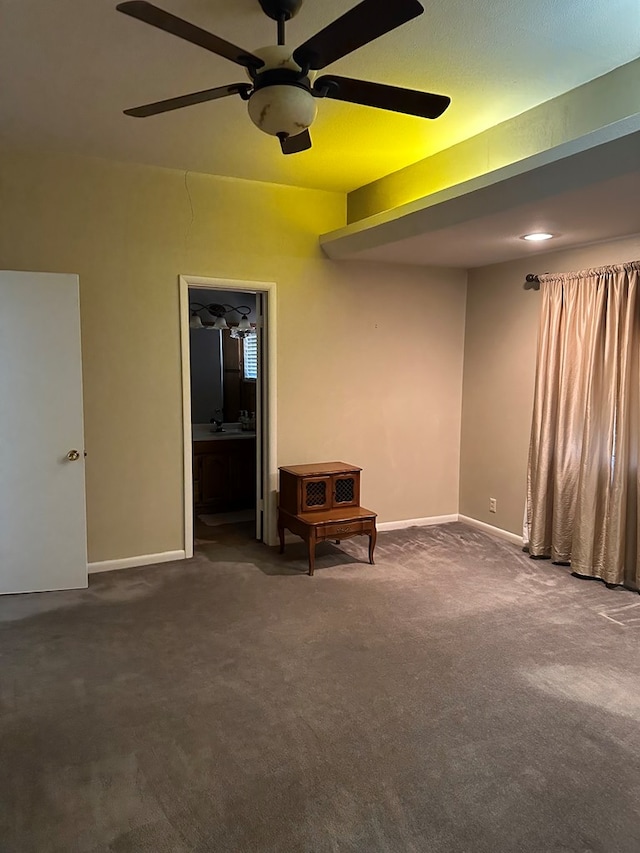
[281,10]
[281,103]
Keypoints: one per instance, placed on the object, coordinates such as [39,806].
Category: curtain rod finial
[532,282]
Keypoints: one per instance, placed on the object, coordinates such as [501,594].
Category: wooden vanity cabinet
[313,488]
[224,475]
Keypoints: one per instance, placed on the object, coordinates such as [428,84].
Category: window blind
[250,356]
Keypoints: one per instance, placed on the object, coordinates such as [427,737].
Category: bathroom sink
[205,432]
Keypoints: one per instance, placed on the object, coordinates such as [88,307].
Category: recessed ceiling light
[537,237]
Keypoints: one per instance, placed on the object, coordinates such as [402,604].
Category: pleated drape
[582,490]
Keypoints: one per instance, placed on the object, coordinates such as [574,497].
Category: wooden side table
[335,524]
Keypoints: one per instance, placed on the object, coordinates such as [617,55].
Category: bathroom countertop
[202,432]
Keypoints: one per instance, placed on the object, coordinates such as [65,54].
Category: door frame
[269,464]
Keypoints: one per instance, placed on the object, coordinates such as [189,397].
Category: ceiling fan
[283,89]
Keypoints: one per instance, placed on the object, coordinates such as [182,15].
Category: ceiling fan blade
[383,97]
[187,100]
[367,21]
[295,144]
[150,14]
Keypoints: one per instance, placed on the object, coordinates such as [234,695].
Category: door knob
[72,455]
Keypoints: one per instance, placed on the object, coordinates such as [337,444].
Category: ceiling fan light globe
[282,109]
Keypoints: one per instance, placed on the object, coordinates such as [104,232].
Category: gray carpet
[455,697]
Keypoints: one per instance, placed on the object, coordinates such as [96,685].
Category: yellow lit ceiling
[71,66]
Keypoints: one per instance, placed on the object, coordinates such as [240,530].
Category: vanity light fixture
[242,330]
[538,236]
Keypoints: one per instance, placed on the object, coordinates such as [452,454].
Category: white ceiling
[69,68]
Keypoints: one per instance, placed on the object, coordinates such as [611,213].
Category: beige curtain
[582,495]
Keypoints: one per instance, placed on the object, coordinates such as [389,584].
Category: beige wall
[369,356]
[499,367]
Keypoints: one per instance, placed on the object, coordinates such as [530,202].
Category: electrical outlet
[493,505]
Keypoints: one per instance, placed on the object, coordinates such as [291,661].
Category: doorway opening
[228,383]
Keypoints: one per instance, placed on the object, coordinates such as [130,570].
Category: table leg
[281,535]
[372,544]
[311,545]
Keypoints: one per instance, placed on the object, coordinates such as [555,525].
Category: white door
[43,542]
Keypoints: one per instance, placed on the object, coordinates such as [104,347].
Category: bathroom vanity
[224,469]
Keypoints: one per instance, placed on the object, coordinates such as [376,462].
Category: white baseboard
[171,556]
[491,530]
[134,562]
[417,522]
